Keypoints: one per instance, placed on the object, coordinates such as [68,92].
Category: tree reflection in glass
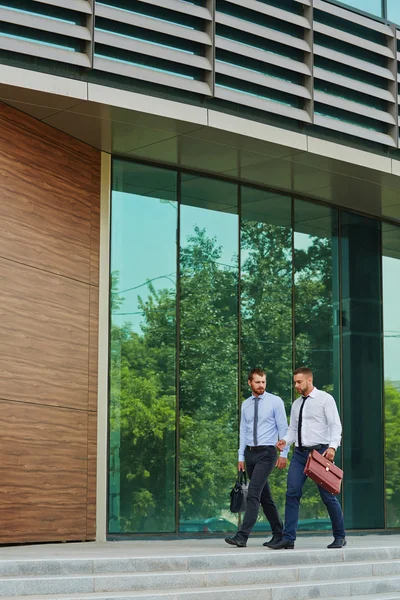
[208,348]
[266,300]
[142,350]
[391,340]
[317,312]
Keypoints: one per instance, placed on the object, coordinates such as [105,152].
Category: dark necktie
[256,400]
[300,422]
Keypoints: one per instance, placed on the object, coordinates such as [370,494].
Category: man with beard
[314,425]
[263,422]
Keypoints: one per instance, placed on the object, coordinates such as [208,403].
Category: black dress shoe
[274,540]
[282,545]
[338,543]
[235,541]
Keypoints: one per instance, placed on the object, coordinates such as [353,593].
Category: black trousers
[258,467]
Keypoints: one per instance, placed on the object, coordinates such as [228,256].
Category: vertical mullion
[393,107]
[309,60]
[210,50]
[239,198]
[239,395]
[177,341]
[293,300]
[341,412]
[90,24]
[383,388]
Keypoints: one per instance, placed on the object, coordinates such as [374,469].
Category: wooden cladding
[49,263]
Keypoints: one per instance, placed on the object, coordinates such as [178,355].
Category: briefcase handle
[242,477]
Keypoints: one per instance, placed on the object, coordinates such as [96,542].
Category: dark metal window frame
[240,184]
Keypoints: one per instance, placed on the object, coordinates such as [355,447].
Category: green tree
[392,431]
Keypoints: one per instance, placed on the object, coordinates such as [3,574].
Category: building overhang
[153,129]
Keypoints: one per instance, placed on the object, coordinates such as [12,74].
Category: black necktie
[255,421]
[300,423]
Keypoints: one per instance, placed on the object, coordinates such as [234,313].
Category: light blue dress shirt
[272,422]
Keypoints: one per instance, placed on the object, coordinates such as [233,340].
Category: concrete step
[235,558]
[335,575]
[368,588]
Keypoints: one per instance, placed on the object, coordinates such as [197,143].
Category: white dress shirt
[320,424]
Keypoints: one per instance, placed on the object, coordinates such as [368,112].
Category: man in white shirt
[263,422]
[314,424]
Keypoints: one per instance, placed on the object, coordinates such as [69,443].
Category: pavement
[180,547]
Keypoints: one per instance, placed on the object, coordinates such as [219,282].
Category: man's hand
[281,444]
[281,463]
[241,466]
[330,454]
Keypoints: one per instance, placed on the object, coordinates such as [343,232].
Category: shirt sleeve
[242,436]
[280,418]
[292,429]
[334,424]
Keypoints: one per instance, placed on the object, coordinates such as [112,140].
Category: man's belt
[258,448]
[310,448]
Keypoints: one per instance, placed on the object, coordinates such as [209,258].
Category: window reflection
[374,7]
[142,350]
[363,456]
[316,312]
[266,302]
[391,352]
[281,241]
[208,352]
[393,11]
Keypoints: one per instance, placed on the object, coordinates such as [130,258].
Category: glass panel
[374,7]
[391,324]
[362,372]
[266,304]
[142,350]
[317,317]
[208,353]
[393,11]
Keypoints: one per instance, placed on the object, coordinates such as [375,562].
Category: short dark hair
[259,372]
[303,371]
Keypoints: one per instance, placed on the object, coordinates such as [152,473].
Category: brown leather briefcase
[323,472]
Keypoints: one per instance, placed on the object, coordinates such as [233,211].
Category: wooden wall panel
[45,337]
[43,472]
[91,481]
[32,194]
[93,347]
[49,248]
[95,228]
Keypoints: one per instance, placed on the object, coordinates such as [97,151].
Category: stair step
[231,559]
[50,584]
[296,591]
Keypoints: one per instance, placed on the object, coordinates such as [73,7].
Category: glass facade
[373,7]
[210,278]
[388,9]
[363,461]
[391,352]
[208,358]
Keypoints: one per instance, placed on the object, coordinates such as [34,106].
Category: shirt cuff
[285,452]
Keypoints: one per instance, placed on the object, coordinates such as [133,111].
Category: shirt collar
[260,397]
[313,393]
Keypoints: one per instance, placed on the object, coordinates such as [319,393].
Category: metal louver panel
[261,56]
[354,74]
[54,30]
[166,42]
[304,61]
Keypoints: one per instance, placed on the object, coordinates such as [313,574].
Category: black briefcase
[239,493]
